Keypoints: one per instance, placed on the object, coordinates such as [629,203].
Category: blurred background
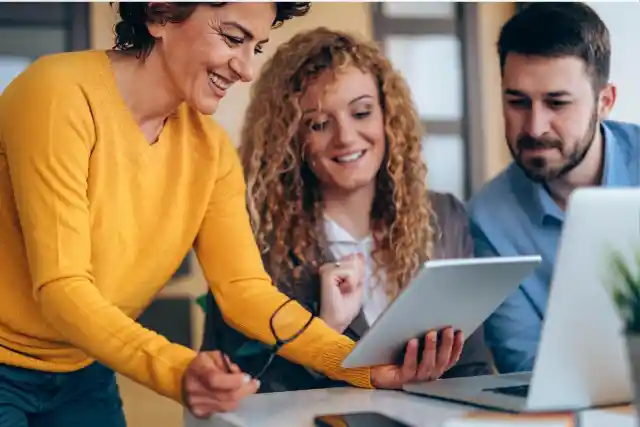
[445,50]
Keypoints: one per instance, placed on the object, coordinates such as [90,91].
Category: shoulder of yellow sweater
[66,67]
[61,78]
[54,76]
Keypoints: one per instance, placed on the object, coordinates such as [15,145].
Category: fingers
[346,278]
[429,357]
[439,355]
[347,274]
[223,362]
[208,373]
[213,373]
[234,368]
[456,351]
[210,388]
[443,358]
[230,396]
[410,362]
[203,406]
[357,261]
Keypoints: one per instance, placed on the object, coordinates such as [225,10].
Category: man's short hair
[558,30]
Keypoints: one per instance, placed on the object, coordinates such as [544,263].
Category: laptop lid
[582,360]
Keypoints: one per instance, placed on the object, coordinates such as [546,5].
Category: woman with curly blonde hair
[339,205]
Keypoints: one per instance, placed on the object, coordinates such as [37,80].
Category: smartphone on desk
[358,419]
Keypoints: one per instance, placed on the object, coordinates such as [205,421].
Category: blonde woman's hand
[341,291]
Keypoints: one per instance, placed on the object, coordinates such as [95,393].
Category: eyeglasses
[279,341]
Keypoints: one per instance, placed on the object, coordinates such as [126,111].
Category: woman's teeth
[350,157]
[218,81]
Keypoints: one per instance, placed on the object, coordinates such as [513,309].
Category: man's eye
[558,104]
[518,102]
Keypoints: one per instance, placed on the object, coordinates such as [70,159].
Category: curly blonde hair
[283,196]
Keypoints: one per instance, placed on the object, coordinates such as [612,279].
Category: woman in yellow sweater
[110,170]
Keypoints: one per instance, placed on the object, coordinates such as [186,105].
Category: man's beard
[537,168]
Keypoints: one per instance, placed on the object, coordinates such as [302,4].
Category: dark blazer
[451,240]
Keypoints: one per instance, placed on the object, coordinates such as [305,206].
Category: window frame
[463,26]
[73,17]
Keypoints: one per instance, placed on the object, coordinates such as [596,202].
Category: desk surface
[296,409]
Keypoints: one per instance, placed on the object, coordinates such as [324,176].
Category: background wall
[493,152]
[622,19]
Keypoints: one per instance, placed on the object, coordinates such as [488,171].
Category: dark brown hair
[132,33]
[556,30]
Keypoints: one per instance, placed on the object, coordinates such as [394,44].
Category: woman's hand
[437,358]
[209,387]
[342,289]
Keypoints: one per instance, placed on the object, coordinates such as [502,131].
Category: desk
[296,409]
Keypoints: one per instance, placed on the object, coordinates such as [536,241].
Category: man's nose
[537,123]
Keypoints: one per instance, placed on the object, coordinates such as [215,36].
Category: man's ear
[606,100]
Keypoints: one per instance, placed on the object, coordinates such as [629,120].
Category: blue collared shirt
[512,215]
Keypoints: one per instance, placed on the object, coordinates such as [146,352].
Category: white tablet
[460,293]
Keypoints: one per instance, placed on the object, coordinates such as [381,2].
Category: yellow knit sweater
[94,220]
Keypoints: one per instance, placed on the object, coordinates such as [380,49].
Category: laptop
[582,359]
[460,293]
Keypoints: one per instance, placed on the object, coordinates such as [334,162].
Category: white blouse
[341,244]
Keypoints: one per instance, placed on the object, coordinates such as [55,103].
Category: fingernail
[246,379]
[433,335]
[257,383]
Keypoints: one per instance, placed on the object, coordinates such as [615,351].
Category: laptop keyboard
[518,390]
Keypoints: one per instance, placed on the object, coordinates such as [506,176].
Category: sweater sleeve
[47,133]
[232,265]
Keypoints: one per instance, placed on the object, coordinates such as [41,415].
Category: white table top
[297,409]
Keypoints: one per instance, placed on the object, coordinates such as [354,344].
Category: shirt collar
[546,206]
[337,234]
